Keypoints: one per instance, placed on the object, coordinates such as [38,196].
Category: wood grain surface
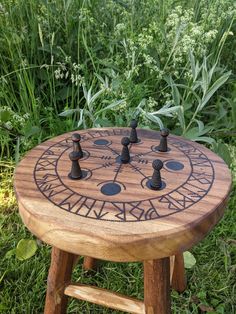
[157,286]
[105,298]
[58,278]
[134,223]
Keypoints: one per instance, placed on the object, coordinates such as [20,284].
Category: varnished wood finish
[89,263]
[105,298]
[157,286]
[179,282]
[59,276]
[108,227]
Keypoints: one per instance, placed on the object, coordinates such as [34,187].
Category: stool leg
[89,263]
[59,275]
[157,286]
[179,282]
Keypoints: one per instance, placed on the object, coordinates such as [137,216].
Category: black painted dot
[101,142]
[110,189]
[174,165]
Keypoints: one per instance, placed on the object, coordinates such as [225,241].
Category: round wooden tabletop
[112,213]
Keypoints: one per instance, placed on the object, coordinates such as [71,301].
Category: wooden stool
[113,212]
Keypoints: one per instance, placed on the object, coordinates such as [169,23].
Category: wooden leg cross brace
[156,286]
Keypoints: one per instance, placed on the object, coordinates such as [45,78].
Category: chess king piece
[163,147]
[125,157]
[76,144]
[76,172]
[156,182]
[133,134]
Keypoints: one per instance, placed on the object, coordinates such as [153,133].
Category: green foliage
[189,260]
[25,249]
[73,64]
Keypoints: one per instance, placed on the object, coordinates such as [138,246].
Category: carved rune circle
[119,192]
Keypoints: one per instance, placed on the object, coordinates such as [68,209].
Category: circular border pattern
[192,190]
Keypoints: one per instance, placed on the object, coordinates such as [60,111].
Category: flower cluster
[68,70]
[11,120]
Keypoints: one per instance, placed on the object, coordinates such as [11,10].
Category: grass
[211,282]
[125,51]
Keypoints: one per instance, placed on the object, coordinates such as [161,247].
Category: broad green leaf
[192,63]
[191,90]
[85,92]
[174,90]
[222,150]
[111,106]
[175,94]
[205,80]
[40,35]
[204,139]
[95,96]
[211,91]
[25,249]
[202,129]
[192,133]
[89,95]
[81,116]
[31,130]
[100,78]
[68,112]
[155,119]
[167,110]
[142,103]
[189,260]
[180,114]
[200,126]
[211,71]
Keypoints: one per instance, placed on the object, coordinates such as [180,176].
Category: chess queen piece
[76,144]
[133,134]
[156,182]
[125,156]
[76,172]
[163,147]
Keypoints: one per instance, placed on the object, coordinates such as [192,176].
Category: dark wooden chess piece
[133,134]
[76,144]
[156,182]
[163,147]
[125,157]
[76,172]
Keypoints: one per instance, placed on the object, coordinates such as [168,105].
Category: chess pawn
[163,147]
[125,157]
[133,134]
[76,144]
[76,172]
[156,182]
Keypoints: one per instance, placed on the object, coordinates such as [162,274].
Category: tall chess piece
[76,172]
[163,147]
[133,134]
[76,144]
[125,157]
[156,182]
